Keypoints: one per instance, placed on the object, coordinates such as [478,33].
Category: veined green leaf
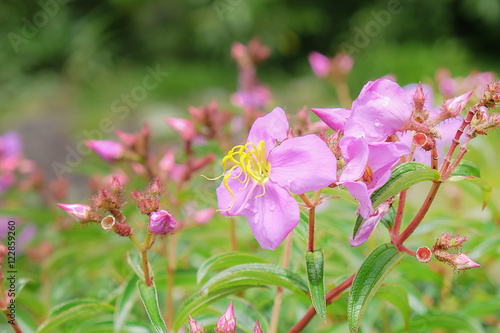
[302,229]
[398,297]
[368,279]
[134,262]
[225,260]
[125,303]
[455,322]
[78,309]
[402,177]
[256,274]
[199,301]
[315,266]
[469,172]
[467,169]
[150,301]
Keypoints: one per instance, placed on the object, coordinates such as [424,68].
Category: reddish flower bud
[194,327]
[109,151]
[183,127]
[227,322]
[161,222]
[257,328]
[424,254]
[79,212]
[459,261]
[456,105]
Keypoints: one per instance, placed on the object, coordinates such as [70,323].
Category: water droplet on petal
[377,123]
[272,208]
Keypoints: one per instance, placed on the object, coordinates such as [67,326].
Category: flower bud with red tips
[320,64]
[227,322]
[194,327]
[109,151]
[161,222]
[460,261]
[456,105]
[78,212]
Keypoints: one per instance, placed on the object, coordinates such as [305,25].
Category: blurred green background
[65,63]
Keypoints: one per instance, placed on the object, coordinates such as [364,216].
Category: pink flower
[380,110]
[258,185]
[227,322]
[464,262]
[204,215]
[320,64]
[183,127]
[161,222]
[256,97]
[335,118]
[109,151]
[79,212]
[368,167]
[456,105]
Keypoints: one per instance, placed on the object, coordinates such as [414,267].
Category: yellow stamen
[251,158]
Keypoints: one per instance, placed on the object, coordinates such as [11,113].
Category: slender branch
[279,292]
[306,200]
[460,155]
[12,322]
[232,234]
[145,265]
[399,214]
[310,245]
[420,215]
[331,296]
[434,158]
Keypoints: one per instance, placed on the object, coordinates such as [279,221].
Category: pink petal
[355,152]
[380,110]
[360,192]
[230,207]
[334,118]
[382,159]
[271,128]
[367,227]
[291,164]
[272,216]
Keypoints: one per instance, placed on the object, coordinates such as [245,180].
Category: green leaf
[467,169]
[388,219]
[150,301]
[256,274]
[482,308]
[199,301]
[368,279]
[398,297]
[341,193]
[225,260]
[78,309]
[21,283]
[455,322]
[125,303]
[315,266]
[402,177]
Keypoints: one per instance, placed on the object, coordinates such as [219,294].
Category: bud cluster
[447,249]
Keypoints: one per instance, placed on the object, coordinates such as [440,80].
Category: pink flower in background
[204,215]
[183,127]
[256,97]
[369,166]
[380,110]
[258,185]
[109,151]
[320,64]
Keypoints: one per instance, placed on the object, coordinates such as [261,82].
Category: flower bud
[109,151]
[227,322]
[456,105]
[161,222]
[320,64]
[194,327]
[257,328]
[183,127]
[79,212]
[424,254]
[459,261]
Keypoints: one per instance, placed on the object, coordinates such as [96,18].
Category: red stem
[420,215]
[310,246]
[12,322]
[330,298]
[399,214]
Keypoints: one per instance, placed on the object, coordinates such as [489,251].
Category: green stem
[12,322]
[279,291]
[145,265]
[171,253]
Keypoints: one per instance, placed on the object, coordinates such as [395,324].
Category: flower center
[251,158]
[367,175]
